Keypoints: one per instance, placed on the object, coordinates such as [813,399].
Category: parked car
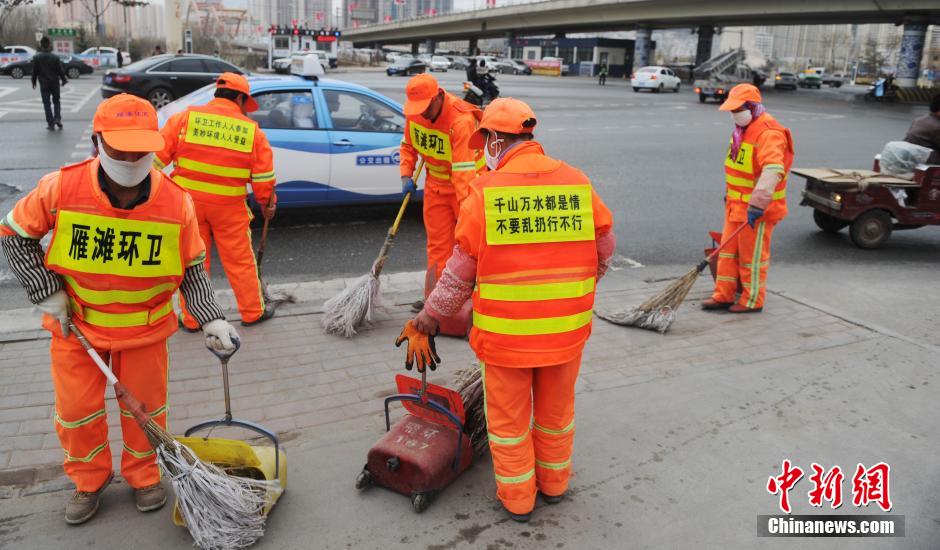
[334,142]
[163,78]
[439,63]
[406,66]
[17,51]
[109,54]
[810,78]
[785,80]
[655,79]
[834,80]
[282,64]
[73,67]
[458,62]
[514,66]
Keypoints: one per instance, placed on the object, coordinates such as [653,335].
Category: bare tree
[95,8]
[7,7]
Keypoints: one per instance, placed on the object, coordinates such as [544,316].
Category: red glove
[421,348]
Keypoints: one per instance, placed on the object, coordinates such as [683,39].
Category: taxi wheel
[73,73]
[17,73]
[871,229]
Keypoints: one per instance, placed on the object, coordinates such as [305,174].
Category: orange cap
[128,123]
[237,82]
[507,115]
[421,89]
[739,95]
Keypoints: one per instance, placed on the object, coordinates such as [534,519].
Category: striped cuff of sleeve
[11,223]
[778,168]
[200,299]
[26,262]
[158,164]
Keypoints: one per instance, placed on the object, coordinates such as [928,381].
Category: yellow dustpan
[262,462]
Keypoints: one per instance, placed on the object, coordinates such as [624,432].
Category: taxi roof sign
[307,66]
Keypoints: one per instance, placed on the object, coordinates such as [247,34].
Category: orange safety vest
[120,267]
[536,270]
[214,157]
[742,173]
[433,141]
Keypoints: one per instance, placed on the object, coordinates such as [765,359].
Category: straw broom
[348,311]
[221,511]
[273,299]
[659,312]
[469,385]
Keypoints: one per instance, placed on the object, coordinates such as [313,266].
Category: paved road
[655,158]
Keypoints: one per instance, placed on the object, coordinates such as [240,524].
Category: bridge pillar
[703,51]
[472,48]
[430,45]
[510,36]
[641,46]
[414,48]
[912,49]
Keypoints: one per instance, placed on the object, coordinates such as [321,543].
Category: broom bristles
[221,511]
[353,308]
[659,312]
[469,385]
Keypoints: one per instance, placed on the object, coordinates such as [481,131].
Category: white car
[108,55]
[655,79]
[439,63]
[283,65]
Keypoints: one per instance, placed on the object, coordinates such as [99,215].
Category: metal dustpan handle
[227,420]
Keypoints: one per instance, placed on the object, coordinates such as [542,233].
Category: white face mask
[492,161]
[124,173]
[742,118]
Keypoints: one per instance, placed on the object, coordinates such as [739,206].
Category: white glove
[220,335]
[57,305]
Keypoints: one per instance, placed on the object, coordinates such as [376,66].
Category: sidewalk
[677,434]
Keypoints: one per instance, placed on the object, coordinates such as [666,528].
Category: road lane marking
[85,99]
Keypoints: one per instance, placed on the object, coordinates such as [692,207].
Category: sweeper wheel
[363,480]
[420,502]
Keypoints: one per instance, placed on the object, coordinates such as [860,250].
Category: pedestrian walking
[756,167]
[120,59]
[157,50]
[438,126]
[48,72]
[533,238]
[124,239]
[217,151]
[602,76]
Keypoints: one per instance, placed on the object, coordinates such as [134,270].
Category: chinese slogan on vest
[220,131]
[538,214]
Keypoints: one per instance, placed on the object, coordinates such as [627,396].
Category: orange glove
[421,348]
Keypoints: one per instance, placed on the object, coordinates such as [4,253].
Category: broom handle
[393,230]
[264,237]
[135,407]
[706,261]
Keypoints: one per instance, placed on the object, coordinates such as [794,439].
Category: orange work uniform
[766,145]
[120,269]
[532,225]
[217,151]
[451,166]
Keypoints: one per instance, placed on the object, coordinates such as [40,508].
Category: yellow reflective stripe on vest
[739,181]
[81,422]
[480,164]
[11,223]
[211,188]
[550,431]
[532,327]
[438,171]
[746,197]
[137,454]
[87,458]
[213,169]
[103,297]
[553,465]
[537,292]
[506,440]
[121,320]
[516,479]
[463,166]
[158,164]
[220,131]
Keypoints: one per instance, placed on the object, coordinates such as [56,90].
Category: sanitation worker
[533,239]
[217,151]
[756,167]
[124,239]
[438,126]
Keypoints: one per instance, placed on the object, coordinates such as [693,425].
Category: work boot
[520,518]
[737,308]
[83,505]
[714,305]
[549,499]
[150,498]
[268,313]
[417,306]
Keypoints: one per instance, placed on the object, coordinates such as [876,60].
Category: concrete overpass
[571,16]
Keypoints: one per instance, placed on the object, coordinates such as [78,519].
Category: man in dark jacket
[925,131]
[47,69]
